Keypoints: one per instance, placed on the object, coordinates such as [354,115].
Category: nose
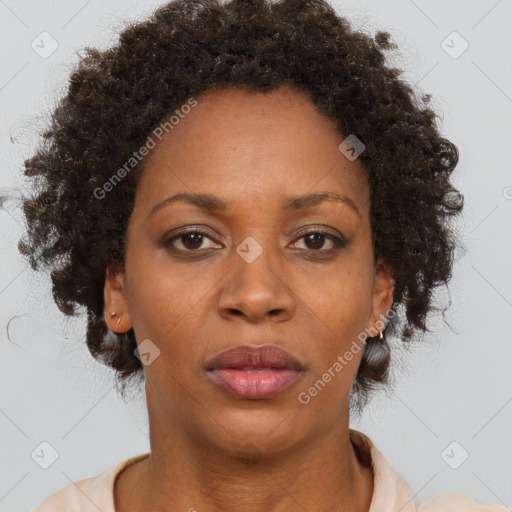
[256,291]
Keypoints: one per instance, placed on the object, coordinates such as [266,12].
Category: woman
[242,195]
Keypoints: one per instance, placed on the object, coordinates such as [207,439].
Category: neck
[183,473]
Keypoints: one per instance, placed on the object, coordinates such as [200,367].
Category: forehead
[241,144]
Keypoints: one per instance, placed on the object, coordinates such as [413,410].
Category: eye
[315,240]
[191,240]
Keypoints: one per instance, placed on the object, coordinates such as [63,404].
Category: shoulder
[456,502]
[89,494]
[74,496]
[391,492]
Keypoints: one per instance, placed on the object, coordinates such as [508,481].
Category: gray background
[456,387]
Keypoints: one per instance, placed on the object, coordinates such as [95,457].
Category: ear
[382,299]
[114,301]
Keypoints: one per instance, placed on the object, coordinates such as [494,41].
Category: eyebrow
[214,204]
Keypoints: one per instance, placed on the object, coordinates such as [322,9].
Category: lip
[255,373]
[252,357]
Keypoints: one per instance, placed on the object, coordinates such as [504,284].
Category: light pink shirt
[390,492]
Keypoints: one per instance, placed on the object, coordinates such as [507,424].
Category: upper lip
[252,357]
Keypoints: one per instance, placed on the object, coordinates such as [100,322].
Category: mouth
[254,373]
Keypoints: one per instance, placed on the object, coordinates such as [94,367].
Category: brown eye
[315,241]
[190,241]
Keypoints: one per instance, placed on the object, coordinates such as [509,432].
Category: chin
[256,434]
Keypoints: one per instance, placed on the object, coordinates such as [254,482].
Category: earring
[112,315]
[381,337]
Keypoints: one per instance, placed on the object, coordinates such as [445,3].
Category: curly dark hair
[116,97]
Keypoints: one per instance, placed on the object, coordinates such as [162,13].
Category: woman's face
[261,273]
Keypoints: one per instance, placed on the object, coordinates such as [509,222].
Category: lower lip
[254,384]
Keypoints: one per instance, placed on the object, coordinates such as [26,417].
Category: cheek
[167,305]
[336,330]
[339,300]
[157,303]
[336,308]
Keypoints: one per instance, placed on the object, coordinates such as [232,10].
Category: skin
[211,451]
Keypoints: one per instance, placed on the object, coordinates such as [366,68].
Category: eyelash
[338,242]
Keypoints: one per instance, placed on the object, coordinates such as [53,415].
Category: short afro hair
[118,96]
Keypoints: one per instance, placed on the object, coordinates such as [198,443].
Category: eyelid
[186,230]
[338,240]
[319,228]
